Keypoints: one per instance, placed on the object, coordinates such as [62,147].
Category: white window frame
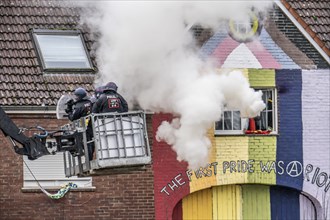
[49,172]
[243,124]
[244,121]
[43,32]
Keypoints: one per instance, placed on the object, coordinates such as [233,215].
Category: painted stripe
[284,203]
[316,135]
[289,142]
[241,57]
[227,202]
[256,202]
[264,57]
[222,51]
[208,48]
[198,205]
[307,208]
[278,54]
[203,182]
[261,78]
[262,149]
[230,150]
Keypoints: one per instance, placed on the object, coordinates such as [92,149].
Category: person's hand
[69,103]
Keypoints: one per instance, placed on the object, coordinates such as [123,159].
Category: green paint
[261,78]
[256,202]
[262,149]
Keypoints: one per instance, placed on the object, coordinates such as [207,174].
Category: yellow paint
[227,202]
[261,78]
[198,205]
[205,182]
[231,148]
[256,202]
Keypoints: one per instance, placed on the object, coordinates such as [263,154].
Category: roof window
[61,50]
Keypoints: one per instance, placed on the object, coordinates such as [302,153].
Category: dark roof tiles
[316,14]
[22,81]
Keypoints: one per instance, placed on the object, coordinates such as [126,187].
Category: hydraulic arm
[38,145]
[33,147]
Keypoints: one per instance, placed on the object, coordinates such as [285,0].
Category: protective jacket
[81,108]
[110,101]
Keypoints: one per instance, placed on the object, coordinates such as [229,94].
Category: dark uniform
[110,101]
[80,108]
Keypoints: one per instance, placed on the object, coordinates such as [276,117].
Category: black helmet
[111,86]
[80,93]
[99,90]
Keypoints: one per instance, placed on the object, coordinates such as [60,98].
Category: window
[60,50]
[232,123]
[245,31]
[49,171]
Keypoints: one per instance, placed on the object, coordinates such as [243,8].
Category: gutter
[302,30]
[30,109]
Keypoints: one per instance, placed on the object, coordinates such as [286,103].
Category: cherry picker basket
[120,140]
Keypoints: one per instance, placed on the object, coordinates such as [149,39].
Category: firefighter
[78,108]
[110,100]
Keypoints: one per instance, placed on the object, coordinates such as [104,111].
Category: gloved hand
[70,105]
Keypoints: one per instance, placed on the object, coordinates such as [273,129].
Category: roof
[22,81]
[314,17]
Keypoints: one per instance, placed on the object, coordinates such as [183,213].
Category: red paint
[263,56]
[166,168]
[223,50]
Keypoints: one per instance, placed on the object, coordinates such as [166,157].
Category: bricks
[287,27]
[120,196]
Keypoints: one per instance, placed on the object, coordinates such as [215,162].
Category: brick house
[281,175]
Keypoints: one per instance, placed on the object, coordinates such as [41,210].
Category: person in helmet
[78,108]
[97,93]
[110,100]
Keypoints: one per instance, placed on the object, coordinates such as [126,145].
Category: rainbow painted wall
[280,176]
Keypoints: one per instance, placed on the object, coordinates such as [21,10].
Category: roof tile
[316,13]
[21,74]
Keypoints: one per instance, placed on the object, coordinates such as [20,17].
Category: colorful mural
[288,168]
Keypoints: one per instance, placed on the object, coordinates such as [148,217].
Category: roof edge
[315,41]
[30,109]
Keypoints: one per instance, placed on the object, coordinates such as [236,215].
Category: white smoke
[147,49]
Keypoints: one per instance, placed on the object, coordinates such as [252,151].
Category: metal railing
[120,140]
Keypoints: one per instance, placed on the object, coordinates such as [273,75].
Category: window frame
[245,120]
[47,180]
[35,32]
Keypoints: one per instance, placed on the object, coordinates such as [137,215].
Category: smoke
[147,49]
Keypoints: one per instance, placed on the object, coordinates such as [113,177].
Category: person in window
[110,100]
[78,108]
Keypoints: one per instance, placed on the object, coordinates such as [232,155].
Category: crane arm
[33,147]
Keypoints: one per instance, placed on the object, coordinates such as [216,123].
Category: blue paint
[289,142]
[209,46]
[284,203]
[279,55]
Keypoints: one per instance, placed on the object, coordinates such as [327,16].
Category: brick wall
[289,142]
[316,135]
[118,196]
[285,25]
[167,172]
